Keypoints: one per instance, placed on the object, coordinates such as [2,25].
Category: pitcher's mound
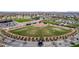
[39,25]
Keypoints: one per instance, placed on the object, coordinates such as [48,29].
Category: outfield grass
[22,20]
[40,31]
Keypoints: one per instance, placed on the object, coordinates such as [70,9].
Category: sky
[39,5]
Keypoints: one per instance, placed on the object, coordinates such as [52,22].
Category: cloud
[39,5]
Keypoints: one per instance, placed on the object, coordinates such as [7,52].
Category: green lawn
[22,20]
[72,25]
[51,22]
[75,45]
